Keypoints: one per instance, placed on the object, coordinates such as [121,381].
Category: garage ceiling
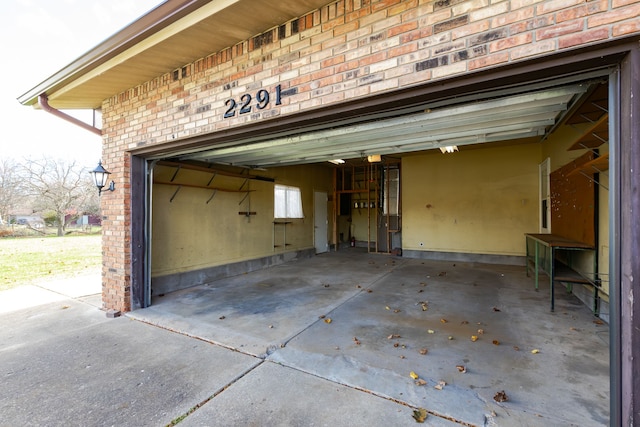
[504,118]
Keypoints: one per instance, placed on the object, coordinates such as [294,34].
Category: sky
[39,38]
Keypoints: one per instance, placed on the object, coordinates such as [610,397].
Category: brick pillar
[116,248]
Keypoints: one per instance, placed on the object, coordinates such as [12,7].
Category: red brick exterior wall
[347,49]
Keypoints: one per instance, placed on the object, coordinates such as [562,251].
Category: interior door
[320,222]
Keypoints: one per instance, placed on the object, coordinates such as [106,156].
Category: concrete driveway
[331,340]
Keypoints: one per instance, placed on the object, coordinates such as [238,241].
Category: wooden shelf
[595,135]
[211,170]
[596,165]
[177,184]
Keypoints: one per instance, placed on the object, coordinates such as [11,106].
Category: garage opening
[451,179]
[434,216]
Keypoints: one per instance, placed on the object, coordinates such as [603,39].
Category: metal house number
[262,98]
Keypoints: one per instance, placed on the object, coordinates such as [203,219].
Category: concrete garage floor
[348,325]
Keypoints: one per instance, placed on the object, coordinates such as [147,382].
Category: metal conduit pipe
[43,102]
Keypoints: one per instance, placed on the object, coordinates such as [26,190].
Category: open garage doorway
[455,179]
[488,187]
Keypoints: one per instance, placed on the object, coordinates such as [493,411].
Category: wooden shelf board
[594,136]
[177,184]
[593,166]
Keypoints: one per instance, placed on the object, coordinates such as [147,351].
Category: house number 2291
[246,104]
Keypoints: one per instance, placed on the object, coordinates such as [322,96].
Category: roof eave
[148,24]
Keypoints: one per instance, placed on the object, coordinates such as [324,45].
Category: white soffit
[500,119]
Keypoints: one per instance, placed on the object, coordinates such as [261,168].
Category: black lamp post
[100,177]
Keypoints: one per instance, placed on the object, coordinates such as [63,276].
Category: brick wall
[347,49]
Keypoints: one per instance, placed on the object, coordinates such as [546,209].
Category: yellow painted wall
[556,146]
[474,201]
[189,234]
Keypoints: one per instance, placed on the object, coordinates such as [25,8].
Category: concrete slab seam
[199,405]
[273,348]
[388,398]
[77,297]
[186,334]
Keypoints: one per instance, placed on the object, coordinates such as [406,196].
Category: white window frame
[287,202]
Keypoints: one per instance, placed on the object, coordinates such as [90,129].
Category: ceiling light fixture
[449,149]
[337,161]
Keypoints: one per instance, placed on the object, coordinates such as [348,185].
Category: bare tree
[11,191]
[56,186]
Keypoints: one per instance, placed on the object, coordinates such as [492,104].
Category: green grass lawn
[31,259]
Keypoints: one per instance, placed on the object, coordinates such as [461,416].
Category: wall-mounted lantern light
[100,177]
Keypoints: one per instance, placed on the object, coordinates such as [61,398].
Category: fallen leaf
[369,290]
[270,326]
[501,396]
[222,317]
[396,311]
[321,316]
[359,286]
[450,338]
[431,331]
[393,336]
[535,351]
[440,385]
[464,322]
[327,320]
[480,331]
[474,338]
[355,340]
[387,308]
[326,286]
[516,348]
[396,345]
[442,273]
[64,307]
[420,415]
[421,382]
[496,342]
[420,290]
[423,351]
[496,309]
[423,284]
[443,320]
[413,375]
[598,322]
[461,368]
[402,357]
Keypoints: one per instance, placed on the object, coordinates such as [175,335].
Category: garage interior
[411,237]
[456,179]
